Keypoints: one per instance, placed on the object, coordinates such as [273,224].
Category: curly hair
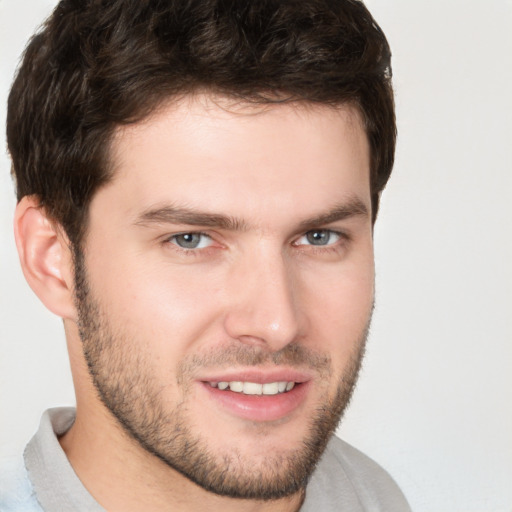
[98,64]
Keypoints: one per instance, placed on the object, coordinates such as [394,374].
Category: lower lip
[260,407]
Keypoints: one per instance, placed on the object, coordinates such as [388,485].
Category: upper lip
[260,376]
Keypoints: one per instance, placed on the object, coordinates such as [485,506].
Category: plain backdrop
[434,403]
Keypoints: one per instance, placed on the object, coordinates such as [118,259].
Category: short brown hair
[98,64]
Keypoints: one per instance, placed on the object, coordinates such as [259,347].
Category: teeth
[253,388]
[272,388]
[236,386]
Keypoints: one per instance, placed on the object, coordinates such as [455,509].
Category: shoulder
[16,493]
[359,468]
[345,476]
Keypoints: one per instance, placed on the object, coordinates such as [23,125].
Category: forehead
[214,154]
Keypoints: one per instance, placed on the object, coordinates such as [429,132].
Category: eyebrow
[169,214]
[355,207]
[189,216]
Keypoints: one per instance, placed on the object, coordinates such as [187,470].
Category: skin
[256,291]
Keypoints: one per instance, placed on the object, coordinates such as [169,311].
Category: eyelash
[333,247]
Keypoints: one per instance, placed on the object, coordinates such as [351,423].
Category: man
[197,187]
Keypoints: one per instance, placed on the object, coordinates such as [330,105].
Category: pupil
[188,240]
[318,237]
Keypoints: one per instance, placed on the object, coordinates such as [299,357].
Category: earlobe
[45,257]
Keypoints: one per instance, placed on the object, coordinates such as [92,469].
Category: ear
[45,257]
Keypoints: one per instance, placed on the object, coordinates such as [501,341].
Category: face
[226,286]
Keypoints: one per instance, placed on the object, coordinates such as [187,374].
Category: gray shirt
[344,480]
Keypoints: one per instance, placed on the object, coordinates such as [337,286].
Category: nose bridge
[264,308]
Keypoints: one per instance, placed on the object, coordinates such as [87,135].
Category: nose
[264,306]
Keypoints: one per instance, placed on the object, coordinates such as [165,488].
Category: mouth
[259,397]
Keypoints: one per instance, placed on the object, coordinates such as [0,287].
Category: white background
[434,404]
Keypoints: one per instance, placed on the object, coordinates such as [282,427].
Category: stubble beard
[125,383]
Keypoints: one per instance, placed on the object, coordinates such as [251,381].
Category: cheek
[168,308]
[339,308]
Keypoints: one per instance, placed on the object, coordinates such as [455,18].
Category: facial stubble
[126,384]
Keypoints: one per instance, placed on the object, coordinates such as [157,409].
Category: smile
[254,388]
[257,396]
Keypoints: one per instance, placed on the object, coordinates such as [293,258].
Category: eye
[319,237]
[191,240]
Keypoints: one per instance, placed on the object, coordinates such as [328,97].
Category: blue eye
[191,240]
[319,237]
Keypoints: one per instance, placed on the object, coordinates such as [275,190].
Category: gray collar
[56,485]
